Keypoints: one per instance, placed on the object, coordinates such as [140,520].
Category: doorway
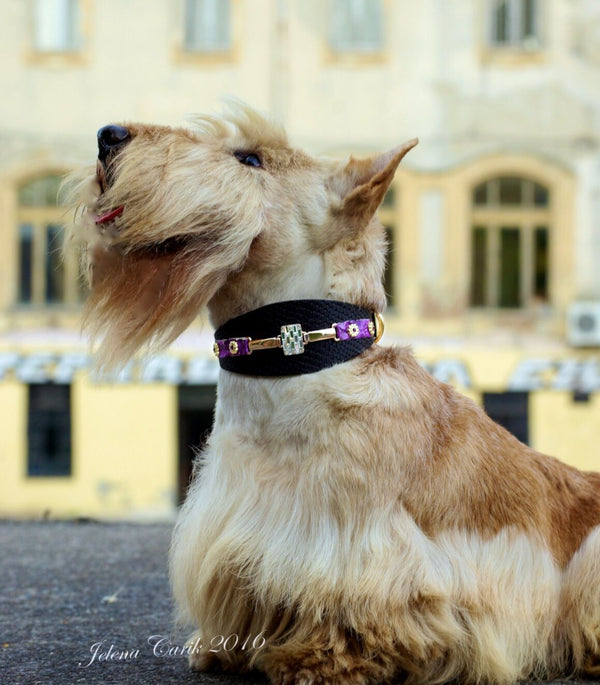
[510,410]
[195,419]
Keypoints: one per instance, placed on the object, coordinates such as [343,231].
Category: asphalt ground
[81,602]
[89,602]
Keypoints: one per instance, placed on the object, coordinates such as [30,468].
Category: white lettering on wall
[451,371]
[546,374]
[8,361]
[68,365]
[162,368]
[202,370]
[34,368]
[529,375]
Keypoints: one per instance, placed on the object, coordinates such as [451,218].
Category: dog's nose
[110,139]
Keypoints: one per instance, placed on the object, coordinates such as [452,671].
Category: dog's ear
[362,184]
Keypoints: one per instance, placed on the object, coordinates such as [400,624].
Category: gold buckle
[379,326]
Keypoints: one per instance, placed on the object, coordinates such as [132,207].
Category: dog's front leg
[327,656]
[199,657]
[223,652]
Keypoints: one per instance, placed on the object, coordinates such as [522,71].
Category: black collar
[296,337]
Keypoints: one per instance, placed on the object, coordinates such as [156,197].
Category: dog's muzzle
[110,140]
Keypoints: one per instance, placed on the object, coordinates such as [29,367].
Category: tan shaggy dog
[360,523]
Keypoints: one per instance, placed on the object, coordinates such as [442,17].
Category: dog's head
[224,214]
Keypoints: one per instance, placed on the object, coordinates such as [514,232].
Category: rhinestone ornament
[292,339]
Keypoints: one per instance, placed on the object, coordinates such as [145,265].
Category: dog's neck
[295,337]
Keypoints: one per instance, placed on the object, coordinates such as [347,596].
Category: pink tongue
[109,216]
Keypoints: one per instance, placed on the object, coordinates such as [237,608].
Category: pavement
[81,601]
[89,602]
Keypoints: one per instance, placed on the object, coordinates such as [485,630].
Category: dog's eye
[248,158]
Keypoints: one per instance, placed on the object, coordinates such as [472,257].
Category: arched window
[510,243]
[43,277]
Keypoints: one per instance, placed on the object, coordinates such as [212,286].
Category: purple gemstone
[233,347]
[355,329]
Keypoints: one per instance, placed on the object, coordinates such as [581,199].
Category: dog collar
[296,337]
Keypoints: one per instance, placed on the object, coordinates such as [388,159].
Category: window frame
[517,52]
[355,44]
[218,47]
[212,56]
[69,38]
[40,218]
[356,58]
[516,37]
[493,218]
[75,54]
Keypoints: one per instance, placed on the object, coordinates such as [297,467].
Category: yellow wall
[124,454]
[13,431]
[125,443]
[566,429]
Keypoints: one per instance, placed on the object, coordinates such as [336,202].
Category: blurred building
[493,221]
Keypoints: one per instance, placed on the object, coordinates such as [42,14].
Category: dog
[351,519]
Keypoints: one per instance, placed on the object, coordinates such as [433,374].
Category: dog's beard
[142,298]
[145,293]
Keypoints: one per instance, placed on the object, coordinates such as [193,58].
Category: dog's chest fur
[298,491]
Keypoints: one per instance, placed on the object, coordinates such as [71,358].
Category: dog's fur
[367,521]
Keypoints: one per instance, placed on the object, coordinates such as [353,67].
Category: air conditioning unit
[583,324]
